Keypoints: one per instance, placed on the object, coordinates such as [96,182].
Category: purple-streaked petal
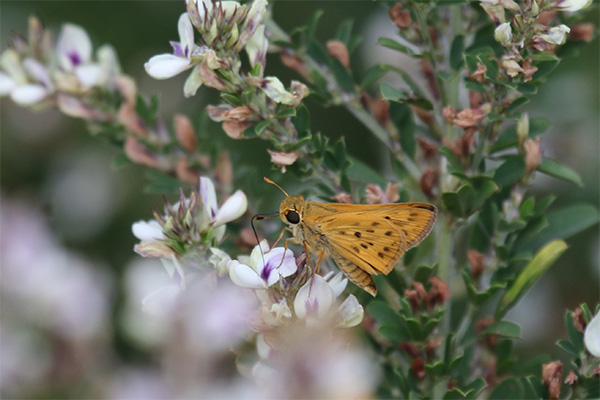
[186,34]
[174,269]
[256,257]
[314,301]
[244,276]
[165,66]
[209,197]
[28,94]
[147,231]
[74,47]
[233,208]
[90,75]
[351,312]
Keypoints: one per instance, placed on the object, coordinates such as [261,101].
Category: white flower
[591,337]
[503,33]
[185,53]
[27,83]
[314,300]
[337,282]
[256,47]
[556,35]
[264,268]
[571,5]
[275,90]
[220,260]
[233,208]
[351,312]
[74,51]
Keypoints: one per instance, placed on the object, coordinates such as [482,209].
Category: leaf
[454,164]
[559,171]
[575,336]
[120,161]
[361,172]
[342,76]
[392,44]
[505,329]
[285,113]
[508,138]
[516,104]
[531,273]
[564,223]
[456,52]
[537,126]
[395,333]
[510,171]
[484,188]
[383,313]
[344,31]
[373,75]
[423,273]
[402,116]
[567,347]
[391,93]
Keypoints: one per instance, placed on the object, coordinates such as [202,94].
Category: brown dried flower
[338,49]
[552,375]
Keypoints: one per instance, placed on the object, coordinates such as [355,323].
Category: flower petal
[275,90]
[338,283]
[313,300]
[209,198]
[244,276]
[192,83]
[6,84]
[164,66]
[147,231]
[186,35]
[28,94]
[74,47]
[233,208]
[351,312]
[90,75]
[591,337]
[39,72]
[161,302]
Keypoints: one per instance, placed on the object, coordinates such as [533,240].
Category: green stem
[444,252]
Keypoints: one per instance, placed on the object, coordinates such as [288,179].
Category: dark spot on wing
[342,232]
[413,214]
[357,234]
[386,248]
[380,254]
[374,223]
[388,233]
[387,217]
[370,244]
[356,249]
[364,246]
[370,231]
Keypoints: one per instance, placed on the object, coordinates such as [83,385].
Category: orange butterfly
[363,240]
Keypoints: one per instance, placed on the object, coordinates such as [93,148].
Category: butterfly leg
[279,238]
[356,275]
[317,266]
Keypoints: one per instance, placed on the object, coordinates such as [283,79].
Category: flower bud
[523,128]
[533,154]
[556,35]
[185,132]
[337,49]
[552,375]
[503,33]
[571,5]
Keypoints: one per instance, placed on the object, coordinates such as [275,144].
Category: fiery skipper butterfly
[363,240]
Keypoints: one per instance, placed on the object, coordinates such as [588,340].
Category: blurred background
[66,215]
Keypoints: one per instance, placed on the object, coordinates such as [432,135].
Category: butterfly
[362,239]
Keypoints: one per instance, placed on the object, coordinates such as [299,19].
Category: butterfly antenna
[273,183]
[259,217]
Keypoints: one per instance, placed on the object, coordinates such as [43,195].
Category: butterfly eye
[293,217]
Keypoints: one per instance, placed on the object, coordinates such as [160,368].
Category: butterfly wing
[370,239]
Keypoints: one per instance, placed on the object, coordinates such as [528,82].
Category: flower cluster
[36,72]
[225,29]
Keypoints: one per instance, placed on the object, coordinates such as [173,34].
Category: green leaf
[484,188]
[231,99]
[471,62]
[545,68]
[475,86]
[568,347]
[402,116]
[527,88]
[261,126]
[516,104]
[361,172]
[285,113]
[483,229]
[452,203]
[161,183]
[456,52]
[491,72]
[508,138]
[311,25]
[414,327]
[392,44]
[454,164]
[302,121]
[373,75]
[537,126]
[510,171]
[575,336]
[559,171]
[526,208]
[120,161]
[564,223]
[345,31]
[505,329]
[390,93]
[383,313]
[395,333]
[342,76]
[317,51]
[455,394]
[476,297]
[531,273]
[406,78]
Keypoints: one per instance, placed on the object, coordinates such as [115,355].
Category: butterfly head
[291,209]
